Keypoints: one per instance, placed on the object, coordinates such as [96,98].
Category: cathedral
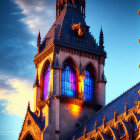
[69,88]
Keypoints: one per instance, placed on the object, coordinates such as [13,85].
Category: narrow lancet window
[68,80]
[89,86]
[46,82]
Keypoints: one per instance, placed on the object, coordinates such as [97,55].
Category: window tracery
[68,80]
[89,85]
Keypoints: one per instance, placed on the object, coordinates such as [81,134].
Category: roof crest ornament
[81,29]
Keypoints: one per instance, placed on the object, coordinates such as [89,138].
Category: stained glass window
[88,86]
[46,82]
[68,80]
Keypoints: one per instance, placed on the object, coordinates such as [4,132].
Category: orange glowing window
[75,109]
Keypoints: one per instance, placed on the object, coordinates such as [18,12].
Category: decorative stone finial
[28,106]
[136,102]
[104,120]
[38,41]
[126,108]
[101,39]
[95,124]
[85,130]
[115,114]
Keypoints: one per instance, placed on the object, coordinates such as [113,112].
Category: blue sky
[20,21]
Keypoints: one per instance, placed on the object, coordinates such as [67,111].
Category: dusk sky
[20,22]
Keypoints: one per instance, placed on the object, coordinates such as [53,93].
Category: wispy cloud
[18,49]
[39,14]
[17,93]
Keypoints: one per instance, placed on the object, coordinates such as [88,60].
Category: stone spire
[38,40]
[115,114]
[101,39]
[28,107]
[95,124]
[126,108]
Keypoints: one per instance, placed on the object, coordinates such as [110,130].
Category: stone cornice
[78,102]
[83,54]
[39,57]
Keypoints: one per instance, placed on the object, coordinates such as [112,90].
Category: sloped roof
[61,33]
[119,104]
[40,121]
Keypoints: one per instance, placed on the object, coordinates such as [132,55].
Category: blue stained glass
[68,81]
[88,86]
[46,82]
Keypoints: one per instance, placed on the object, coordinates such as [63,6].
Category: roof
[61,33]
[39,120]
[119,104]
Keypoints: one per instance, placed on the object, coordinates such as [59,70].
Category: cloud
[17,60]
[39,14]
[17,49]
[17,96]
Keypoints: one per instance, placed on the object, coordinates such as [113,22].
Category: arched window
[29,137]
[68,80]
[89,85]
[122,131]
[133,124]
[47,78]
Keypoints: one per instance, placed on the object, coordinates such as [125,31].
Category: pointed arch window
[133,124]
[47,78]
[29,137]
[89,86]
[68,80]
[122,131]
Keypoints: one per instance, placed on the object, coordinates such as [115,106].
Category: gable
[30,126]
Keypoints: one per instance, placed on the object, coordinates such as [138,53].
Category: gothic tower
[70,83]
